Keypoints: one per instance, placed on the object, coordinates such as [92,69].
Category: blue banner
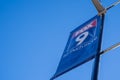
[82,45]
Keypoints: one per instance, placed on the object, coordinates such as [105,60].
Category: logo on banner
[82,37]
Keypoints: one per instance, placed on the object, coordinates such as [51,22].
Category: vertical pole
[97,58]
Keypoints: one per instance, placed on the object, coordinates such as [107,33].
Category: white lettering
[81,38]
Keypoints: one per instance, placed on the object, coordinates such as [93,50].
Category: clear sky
[33,35]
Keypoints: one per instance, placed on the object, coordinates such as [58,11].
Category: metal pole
[110,48]
[114,4]
[97,57]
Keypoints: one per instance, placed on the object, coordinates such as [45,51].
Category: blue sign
[81,46]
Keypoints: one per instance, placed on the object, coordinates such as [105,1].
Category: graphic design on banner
[81,46]
[82,37]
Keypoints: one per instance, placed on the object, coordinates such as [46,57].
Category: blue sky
[34,34]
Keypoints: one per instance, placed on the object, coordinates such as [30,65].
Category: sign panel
[81,46]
